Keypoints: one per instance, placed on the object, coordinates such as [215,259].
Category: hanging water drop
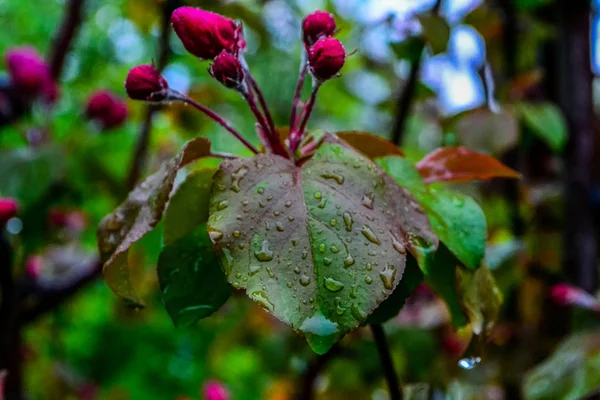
[262,299]
[387,275]
[265,254]
[469,362]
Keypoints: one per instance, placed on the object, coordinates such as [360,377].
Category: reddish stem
[301,77]
[274,141]
[217,118]
[262,102]
[296,135]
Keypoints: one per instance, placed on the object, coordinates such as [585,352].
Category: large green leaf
[318,246]
[138,215]
[572,372]
[546,120]
[192,283]
[456,218]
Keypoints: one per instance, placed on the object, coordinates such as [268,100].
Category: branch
[386,362]
[62,43]
[406,98]
[10,332]
[141,148]
[312,372]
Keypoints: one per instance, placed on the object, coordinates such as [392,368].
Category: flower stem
[262,102]
[386,362]
[301,77]
[296,135]
[274,141]
[216,117]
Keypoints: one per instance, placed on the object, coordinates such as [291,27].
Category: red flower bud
[106,109]
[326,58]
[144,82]
[227,70]
[214,390]
[30,74]
[206,34]
[317,25]
[8,209]
[564,294]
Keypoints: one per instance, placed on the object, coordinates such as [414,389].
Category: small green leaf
[138,215]
[572,372]
[442,279]
[409,49]
[456,218]
[486,131]
[318,246]
[192,283]
[188,206]
[391,306]
[436,32]
[547,121]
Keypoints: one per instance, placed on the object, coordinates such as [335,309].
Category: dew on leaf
[222,205]
[322,247]
[304,254]
[367,200]
[277,213]
[265,253]
[260,190]
[348,261]
[334,249]
[323,202]
[215,236]
[333,222]
[318,195]
[368,267]
[270,272]
[369,280]
[326,260]
[398,246]
[262,299]
[279,227]
[333,285]
[288,204]
[348,221]
[357,313]
[236,177]
[236,234]
[339,306]
[304,280]
[254,269]
[370,235]
[290,218]
[336,177]
[387,275]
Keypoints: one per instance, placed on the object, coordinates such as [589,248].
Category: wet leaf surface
[459,164]
[456,218]
[138,215]
[320,246]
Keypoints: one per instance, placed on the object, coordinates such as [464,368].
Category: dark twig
[386,362]
[405,100]
[306,385]
[10,330]
[64,40]
[141,148]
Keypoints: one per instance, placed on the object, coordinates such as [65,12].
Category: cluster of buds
[30,75]
[106,110]
[564,294]
[210,36]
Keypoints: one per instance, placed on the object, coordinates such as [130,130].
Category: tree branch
[405,100]
[306,385]
[386,362]
[64,39]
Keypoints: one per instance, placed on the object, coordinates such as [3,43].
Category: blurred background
[511,78]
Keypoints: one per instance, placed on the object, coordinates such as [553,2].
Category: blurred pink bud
[326,58]
[215,390]
[565,295]
[30,74]
[70,219]
[106,109]
[227,70]
[316,25]
[33,266]
[145,82]
[8,209]
[206,34]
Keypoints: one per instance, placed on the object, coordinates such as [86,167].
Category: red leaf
[459,164]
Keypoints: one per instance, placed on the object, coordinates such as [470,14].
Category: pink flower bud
[326,58]
[33,266]
[227,70]
[74,220]
[106,109]
[316,25]
[206,34]
[214,390]
[8,209]
[144,82]
[30,74]
[564,294]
